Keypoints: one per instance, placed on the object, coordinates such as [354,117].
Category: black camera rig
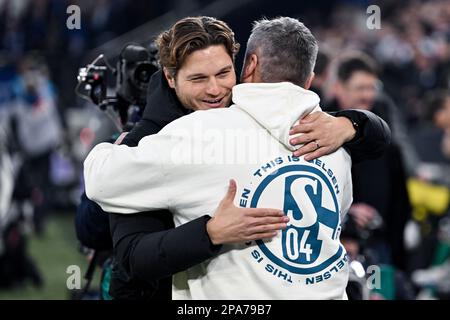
[134,69]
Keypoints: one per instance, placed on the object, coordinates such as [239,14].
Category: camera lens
[143,76]
[142,73]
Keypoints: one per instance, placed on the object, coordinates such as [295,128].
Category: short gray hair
[286,49]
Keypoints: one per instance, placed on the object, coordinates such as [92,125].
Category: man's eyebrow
[227,68]
[199,75]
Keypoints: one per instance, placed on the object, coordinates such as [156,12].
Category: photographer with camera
[146,246]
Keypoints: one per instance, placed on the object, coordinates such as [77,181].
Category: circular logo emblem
[310,242]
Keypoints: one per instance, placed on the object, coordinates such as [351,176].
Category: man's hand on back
[231,224]
[321,134]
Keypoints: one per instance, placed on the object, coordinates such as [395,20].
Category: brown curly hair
[191,34]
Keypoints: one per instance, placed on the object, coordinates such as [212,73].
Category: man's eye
[224,74]
[200,79]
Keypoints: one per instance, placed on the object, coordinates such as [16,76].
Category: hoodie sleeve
[122,179]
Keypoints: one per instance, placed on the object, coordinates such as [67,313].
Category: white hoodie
[186,168]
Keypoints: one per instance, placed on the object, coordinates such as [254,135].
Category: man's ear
[170,79]
[310,80]
[248,73]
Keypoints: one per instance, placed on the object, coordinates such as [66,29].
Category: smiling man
[208,89]
[198,62]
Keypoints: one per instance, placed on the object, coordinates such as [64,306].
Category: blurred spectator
[433,139]
[357,86]
[37,129]
[380,198]
[16,265]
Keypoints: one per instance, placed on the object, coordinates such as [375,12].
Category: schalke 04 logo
[310,201]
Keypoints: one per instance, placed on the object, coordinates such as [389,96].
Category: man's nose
[213,87]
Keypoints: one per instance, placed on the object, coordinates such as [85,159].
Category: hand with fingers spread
[231,224]
[321,134]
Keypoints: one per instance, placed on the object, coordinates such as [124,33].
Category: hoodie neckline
[276,107]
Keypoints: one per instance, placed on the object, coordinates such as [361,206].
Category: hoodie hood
[276,106]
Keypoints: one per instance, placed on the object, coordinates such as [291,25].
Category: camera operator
[147,247]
